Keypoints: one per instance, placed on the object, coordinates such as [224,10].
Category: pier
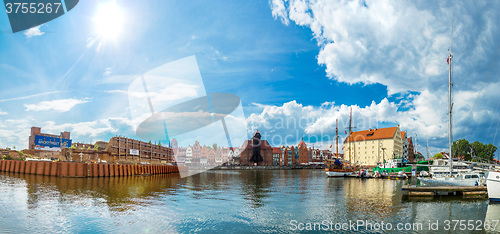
[465,191]
[74,169]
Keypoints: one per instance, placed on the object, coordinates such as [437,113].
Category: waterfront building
[126,149]
[295,158]
[219,156]
[290,154]
[211,156]
[189,155]
[196,150]
[404,139]
[411,150]
[373,146]
[174,145]
[284,156]
[303,153]
[276,156]
[48,142]
[262,147]
[327,155]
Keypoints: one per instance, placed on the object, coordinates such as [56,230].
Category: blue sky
[285,60]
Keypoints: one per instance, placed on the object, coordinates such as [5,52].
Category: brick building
[266,151]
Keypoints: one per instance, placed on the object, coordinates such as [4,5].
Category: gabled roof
[403,133]
[372,134]
[276,150]
[248,144]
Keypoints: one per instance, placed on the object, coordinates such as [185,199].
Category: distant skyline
[297,66]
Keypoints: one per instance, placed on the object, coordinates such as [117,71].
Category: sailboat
[338,167]
[493,185]
[470,178]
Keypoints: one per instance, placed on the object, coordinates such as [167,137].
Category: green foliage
[21,153]
[438,156]
[482,151]
[461,148]
[476,151]
[7,157]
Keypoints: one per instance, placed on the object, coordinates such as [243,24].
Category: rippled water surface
[215,201]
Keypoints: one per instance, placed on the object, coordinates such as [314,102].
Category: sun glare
[109,21]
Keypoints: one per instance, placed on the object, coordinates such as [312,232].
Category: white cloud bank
[402,45]
[61,105]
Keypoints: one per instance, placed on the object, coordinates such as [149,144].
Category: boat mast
[350,137]
[450,102]
[337,138]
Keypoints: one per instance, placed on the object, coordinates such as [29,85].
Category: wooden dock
[465,191]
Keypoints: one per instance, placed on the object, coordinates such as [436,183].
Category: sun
[109,21]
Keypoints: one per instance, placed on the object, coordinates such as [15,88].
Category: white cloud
[3,113]
[61,105]
[33,32]
[402,45]
[108,71]
[425,116]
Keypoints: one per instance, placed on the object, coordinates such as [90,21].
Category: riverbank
[265,167]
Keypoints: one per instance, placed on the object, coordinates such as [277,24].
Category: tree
[482,151]
[438,156]
[461,148]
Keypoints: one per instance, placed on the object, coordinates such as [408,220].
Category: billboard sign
[134,152]
[51,143]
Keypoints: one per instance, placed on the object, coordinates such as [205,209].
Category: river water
[270,201]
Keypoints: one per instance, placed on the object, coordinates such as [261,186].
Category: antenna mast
[350,133]
[450,101]
[337,137]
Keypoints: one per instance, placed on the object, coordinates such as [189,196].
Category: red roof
[372,134]
[403,134]
[276,150]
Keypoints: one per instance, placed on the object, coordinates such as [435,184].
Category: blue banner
[47,143]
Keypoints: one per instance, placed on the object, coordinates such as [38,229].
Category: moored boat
[493,185]
[338,169]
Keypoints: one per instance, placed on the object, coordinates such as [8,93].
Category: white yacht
[493,184]
[472,178]
[441,167]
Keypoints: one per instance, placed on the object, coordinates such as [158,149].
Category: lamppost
[383,154]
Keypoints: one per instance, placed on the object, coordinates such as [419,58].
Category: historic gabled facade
[373,146]
[256,152]
[404,139]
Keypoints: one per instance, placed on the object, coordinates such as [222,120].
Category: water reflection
[113,191]
[366,198]
[213,201]
[493,217]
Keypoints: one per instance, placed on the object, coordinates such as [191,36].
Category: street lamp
[383,154]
